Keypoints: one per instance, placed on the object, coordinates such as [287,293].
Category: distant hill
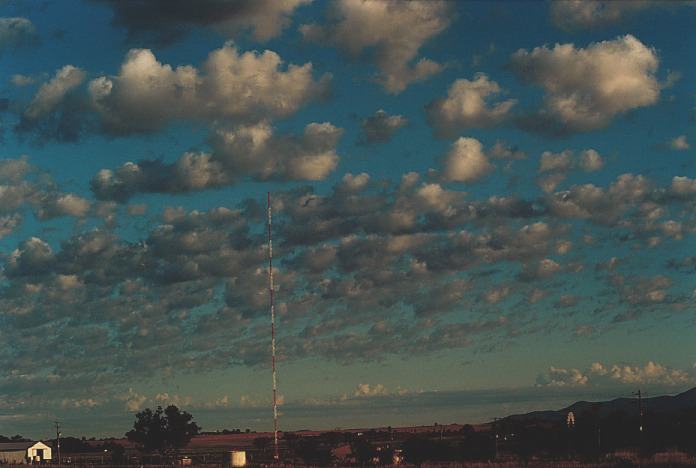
[660,404]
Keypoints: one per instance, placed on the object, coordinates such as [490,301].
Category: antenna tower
[273,339]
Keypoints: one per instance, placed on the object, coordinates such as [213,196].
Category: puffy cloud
[599,374]
[170,20]
[255,150]
[679,143]
[245,151]
[146,95]
[555,161]
[683,186]
[590,161]
[50,94]
[465,161]
[466,106]
[380,127]
[396,30]
[367,390]
[559,377]
[133,401]
[545,268]
[16,32]
[192,171]
[587,87]
[581,14]
[603,205]
[555,166]
[54,205]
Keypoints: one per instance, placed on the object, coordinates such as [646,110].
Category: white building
[24,452]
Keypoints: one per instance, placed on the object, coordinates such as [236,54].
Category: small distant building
[24,452]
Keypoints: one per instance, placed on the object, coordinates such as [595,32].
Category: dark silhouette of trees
[14,438]
[363,450]
[313,452]
[162,430]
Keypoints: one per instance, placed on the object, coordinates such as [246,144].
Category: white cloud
[133,400]
[683,186]
[555,161]
[599,374]
[395,29]
[586,88]
[591,161]
[50,94]
[466,106]
[147,95]
[367,390]
[679,143]
[244,151]
[257,151]
[588,160]
[465,161]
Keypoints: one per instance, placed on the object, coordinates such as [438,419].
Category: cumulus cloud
[587,87]
[244,151]
[395,30]
[133,401]
[169,20]
[555,166]
[147,95]
[54,91]
[56,109]
[683,186]
[599,374]
[465,161]
[466,107]
[603,205]
[380,127]
[16,32]
[679,143]
[367,390]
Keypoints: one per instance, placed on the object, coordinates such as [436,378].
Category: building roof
[16,446]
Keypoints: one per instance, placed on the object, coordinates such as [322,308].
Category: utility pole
[640,422]
[495,430]
[276,456]
[58,440]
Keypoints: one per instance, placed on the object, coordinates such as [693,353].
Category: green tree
[162,430]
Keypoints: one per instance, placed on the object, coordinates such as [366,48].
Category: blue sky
[480,208]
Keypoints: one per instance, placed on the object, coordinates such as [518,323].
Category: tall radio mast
[273,339]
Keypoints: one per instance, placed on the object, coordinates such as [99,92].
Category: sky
[479,208]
